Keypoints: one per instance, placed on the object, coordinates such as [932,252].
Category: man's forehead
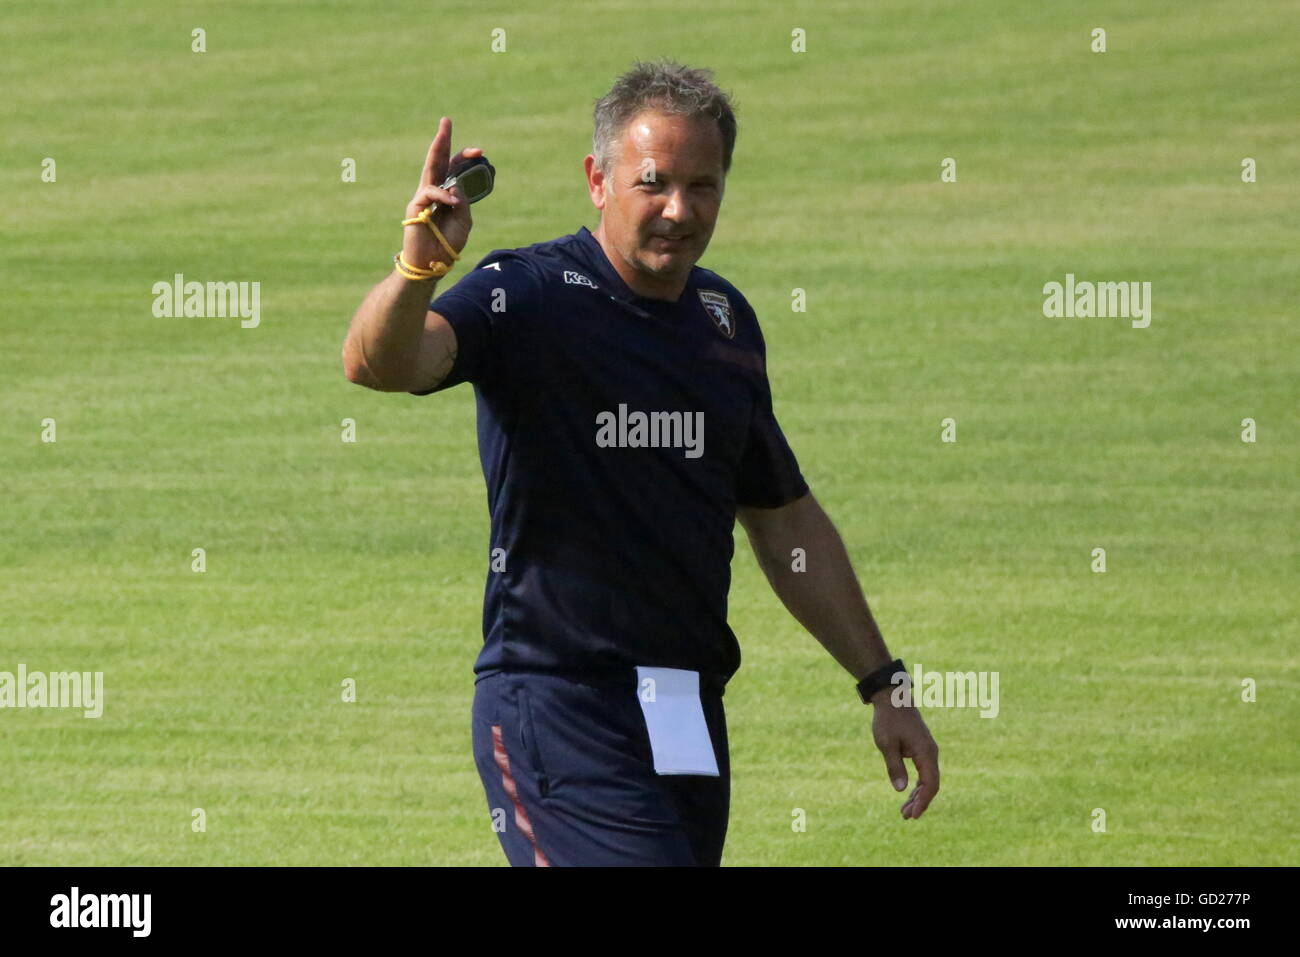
[670,139]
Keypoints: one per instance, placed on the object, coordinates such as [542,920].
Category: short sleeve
[769,475]
[480,308]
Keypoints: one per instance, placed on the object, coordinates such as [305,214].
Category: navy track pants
[569,775]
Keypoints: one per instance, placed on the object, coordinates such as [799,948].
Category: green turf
[329,560]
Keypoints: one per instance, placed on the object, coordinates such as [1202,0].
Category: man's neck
[642,284]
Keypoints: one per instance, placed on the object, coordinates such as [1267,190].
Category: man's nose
[676,208]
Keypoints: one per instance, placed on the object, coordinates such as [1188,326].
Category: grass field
[328,560]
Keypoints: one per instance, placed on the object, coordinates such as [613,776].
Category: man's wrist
[427,282]
[881,681]
[885,698]
[435,270]
[877,662]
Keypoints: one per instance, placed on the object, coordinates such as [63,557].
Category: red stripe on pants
[508,781]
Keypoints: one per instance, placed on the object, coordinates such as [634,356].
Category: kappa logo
[578,279]
[718,306]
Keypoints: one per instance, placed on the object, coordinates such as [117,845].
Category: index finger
[435,164]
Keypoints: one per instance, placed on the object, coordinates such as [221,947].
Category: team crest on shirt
[718,306]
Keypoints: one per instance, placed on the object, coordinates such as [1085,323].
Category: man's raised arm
[395,343]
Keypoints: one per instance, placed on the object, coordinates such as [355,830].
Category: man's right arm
[395,342]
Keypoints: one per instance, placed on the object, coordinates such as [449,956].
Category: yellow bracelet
[436,269]
[417,272]
[426,216]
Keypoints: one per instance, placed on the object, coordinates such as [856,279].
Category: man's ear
[595,181]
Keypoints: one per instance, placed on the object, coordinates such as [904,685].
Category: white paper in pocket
[679,735]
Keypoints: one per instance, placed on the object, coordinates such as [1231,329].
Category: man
[624,423]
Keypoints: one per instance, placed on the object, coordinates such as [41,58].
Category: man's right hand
[420,246]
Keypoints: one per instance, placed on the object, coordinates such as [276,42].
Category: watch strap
[879,679]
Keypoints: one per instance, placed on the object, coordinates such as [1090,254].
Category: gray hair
[670,88]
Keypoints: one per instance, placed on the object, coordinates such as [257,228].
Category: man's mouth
[673,240]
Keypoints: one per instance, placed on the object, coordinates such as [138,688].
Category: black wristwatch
[879,679]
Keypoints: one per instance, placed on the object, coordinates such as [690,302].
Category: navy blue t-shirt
[617,436]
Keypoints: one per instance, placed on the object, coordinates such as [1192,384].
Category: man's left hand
[900,732]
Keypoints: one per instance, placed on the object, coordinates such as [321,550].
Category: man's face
[666,181]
